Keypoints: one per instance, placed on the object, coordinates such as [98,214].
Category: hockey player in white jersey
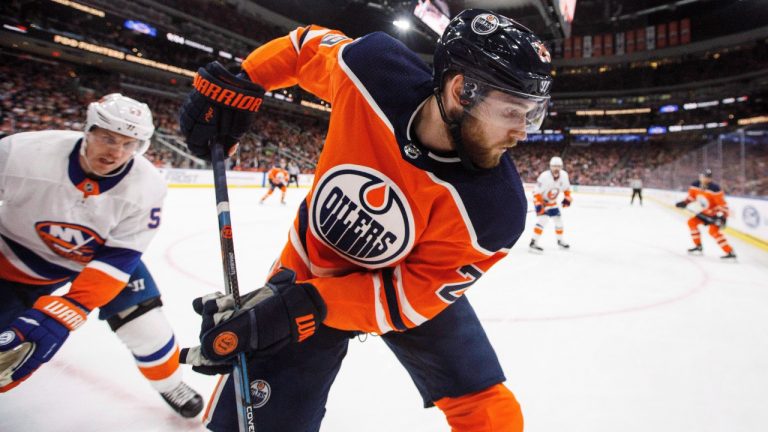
[549,185]
[80,208]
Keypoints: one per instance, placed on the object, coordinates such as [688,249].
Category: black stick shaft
[245,419]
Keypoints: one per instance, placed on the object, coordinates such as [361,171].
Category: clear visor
[503,107]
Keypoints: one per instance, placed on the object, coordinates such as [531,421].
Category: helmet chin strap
[454,128]
[113,173]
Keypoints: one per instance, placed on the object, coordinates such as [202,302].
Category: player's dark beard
[481,151]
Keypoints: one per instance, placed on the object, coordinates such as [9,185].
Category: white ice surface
[624,332]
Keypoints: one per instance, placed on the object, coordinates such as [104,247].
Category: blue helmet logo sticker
[362,215]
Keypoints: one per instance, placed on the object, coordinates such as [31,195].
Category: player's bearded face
[107,151]
[492,127]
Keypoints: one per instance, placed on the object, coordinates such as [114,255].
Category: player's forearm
[273,65]
[308,56]
[103,278]
[394,299]
[350,301]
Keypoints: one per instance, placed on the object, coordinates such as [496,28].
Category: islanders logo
[552,194]
[362,215]
[74,242]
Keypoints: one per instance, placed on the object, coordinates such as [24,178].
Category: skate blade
[535,251]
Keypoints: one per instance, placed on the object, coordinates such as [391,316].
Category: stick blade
[11,360]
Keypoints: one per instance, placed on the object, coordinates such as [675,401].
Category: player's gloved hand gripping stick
[719,219]
[217,113]
[35,336]
[221,108]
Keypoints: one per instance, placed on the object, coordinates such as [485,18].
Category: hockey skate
[563,244]
[730,256]
[696,250]
[535,248]
[185,401]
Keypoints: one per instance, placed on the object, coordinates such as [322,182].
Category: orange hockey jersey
[711,198]
[390,233]
[277,176]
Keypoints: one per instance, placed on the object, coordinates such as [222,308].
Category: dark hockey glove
[566,202]
[270,317]
[221,106]
[681,204]
[708,220]
[539,209]
[719,219]
[35,336]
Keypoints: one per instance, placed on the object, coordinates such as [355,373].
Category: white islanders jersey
[57,224]
[548,188]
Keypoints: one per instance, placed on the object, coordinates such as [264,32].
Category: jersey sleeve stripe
[39,268]
[11,273]
[381,319]
[93,288]
[311,34]
[299,247]
[392,301]
[293,36]
[109,270]
[416,318]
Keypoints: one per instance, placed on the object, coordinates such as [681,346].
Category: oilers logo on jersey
[703,201]
[362,215]
[260,393]
[71,241]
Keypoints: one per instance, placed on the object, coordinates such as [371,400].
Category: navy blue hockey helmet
[499,52]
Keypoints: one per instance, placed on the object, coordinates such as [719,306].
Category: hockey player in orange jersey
[402,218]
[278,179]
[714,214]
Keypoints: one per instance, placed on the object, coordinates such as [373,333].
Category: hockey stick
[709,220]
[245,419]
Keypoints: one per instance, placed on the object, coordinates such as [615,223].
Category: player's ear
[453,89]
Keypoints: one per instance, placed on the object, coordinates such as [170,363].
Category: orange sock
[494,409]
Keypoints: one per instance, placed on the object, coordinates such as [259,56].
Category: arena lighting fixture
[402,24]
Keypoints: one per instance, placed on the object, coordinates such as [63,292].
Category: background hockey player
[82,208]
[293,171]
[278,179]
[403,217]
[637,190]
[549,185]
[714,213]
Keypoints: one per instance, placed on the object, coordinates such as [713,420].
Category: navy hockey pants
[448,356]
